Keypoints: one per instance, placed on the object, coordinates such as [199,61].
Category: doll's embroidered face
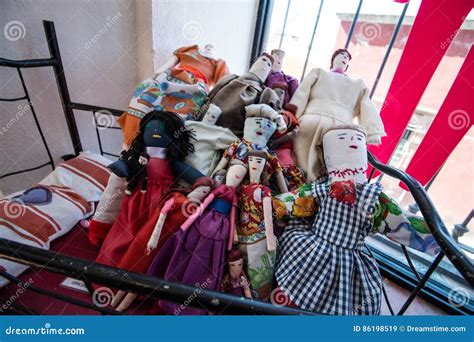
[235,174]
[259,130]
[345,154]
[261,68]
[212,115]
[256,166]
[341,61]
[236,267]
[278,56]
[155,134]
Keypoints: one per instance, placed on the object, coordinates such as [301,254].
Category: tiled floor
[397,296]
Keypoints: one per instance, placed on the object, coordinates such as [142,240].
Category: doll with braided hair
[163,137]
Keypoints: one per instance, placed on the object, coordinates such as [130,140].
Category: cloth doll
[233,93]
[260,123]
[209,142]
[326,98]
[175,207]
[180,86]
[196,254]
[235,281]
[322,265]
[136,170]
[255,228]
[278,76]
[166,152]
[282,142]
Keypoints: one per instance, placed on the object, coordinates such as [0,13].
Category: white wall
[227,24]
[107,48]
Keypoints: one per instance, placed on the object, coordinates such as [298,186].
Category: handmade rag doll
[281,143]
[209,142]
[166,152]
[180,86]
[278,76]
[235,281]
[322,266]
[176,206]
[260,123]
[327,98]
[196,254]
[233,93]
[255,228]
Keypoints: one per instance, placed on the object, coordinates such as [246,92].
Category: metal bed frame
[89,271]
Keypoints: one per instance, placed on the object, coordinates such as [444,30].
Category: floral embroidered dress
[260,263]
[182,89]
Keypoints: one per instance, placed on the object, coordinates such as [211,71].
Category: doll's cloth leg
[107,210]
[260,267]
[307,156]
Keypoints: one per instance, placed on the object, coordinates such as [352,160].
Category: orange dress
[182,90]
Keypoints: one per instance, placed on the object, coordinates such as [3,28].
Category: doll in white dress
[327,98]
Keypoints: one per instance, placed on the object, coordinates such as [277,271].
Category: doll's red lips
[259,133]
[254,168]
[354,146]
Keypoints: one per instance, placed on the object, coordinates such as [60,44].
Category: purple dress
[280,77]
[197,256]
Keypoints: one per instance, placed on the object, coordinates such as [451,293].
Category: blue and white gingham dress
[321,266]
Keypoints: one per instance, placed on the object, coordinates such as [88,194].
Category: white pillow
[87,175]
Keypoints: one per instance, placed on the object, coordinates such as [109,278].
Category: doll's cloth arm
[301,96]
[218,191]
[186,172]
[292,85]
[281,181]
[402,226]
[233,216]
[155,235]
[369,119]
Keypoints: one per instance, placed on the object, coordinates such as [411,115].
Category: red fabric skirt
[137,209]
[135,258]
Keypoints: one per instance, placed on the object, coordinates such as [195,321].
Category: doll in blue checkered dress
[322,266]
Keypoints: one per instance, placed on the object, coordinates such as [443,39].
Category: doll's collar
[339,71]
[157,152]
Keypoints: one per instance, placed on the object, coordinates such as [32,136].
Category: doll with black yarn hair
[164,140]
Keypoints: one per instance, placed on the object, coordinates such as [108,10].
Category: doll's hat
[262,110]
